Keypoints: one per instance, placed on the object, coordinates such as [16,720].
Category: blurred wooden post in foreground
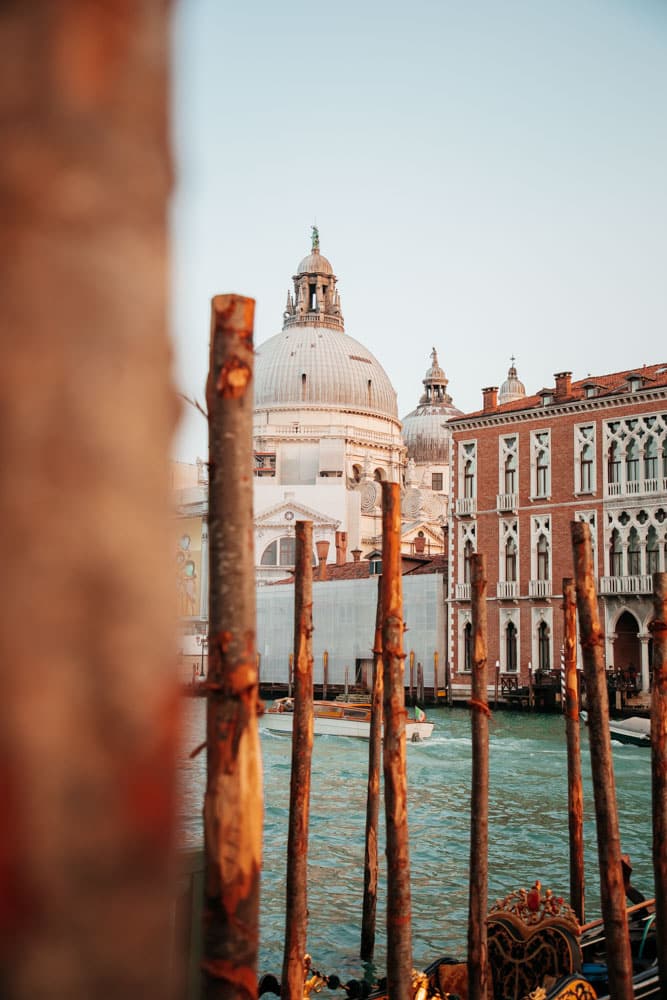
[296,910]
[373,794]
[575,794]
[89,725]
[612,892]
[658,629]
[399,931]
[233,801]
[479,805]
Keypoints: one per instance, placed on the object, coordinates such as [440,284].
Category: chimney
[356,555]
[563,385]
[341,547]
[490,397]
[420,544]
[322,553]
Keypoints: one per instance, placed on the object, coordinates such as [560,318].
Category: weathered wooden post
[373,795]
[612,893]
[233,811]
[399,931]
[90,704]
[479,805]
[420,684]
[325,674]
[411,675]
[290,676]
[296,910]
[659,768]
[575,794]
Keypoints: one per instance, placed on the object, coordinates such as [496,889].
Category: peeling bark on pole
[399,939]
[612,893]
[659,768]
[296,910]
[479,811]
[233,812]
[89,725]
[575,794]
[373,795]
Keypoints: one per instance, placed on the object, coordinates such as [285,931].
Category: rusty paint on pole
[612,893]
[373,795]
[399,940]
[479,805]
[658,629]
[296,909]
[575,794]
[233,812]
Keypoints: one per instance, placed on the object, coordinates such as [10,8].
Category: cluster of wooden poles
[233,812]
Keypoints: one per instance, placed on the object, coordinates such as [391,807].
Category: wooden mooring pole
[479,805]
[296,910]
[233,811]
[373,796]
[612,893]
[575,794]
[658,629]
[89,730]
[399,931]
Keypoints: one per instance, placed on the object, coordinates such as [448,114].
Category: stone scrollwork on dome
[412,502]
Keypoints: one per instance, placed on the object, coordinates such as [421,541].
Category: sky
[488,178]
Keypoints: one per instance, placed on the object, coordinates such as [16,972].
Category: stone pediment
[411,530]
[284,514]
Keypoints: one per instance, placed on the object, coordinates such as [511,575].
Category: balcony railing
[642,584]
[507,502]
[637,487]
[462,591]
[507,589]
[466,505]
[539,588]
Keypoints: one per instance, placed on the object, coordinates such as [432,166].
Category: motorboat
[342,718]
[634,731]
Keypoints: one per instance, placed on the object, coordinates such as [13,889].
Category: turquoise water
[527,829]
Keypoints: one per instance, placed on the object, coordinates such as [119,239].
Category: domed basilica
[327,433]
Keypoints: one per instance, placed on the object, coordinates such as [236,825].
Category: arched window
[631,461]
[469,480]
[586,469]
[652,551]
[542,558]
[356,473]
[634,553]
[468,552]
[615,554]
[280,552]
[467,646]
[543,650]
[542,473]
[378,475]
[510,560]
[510,474]
[651,460]
[614,463]
[510,648]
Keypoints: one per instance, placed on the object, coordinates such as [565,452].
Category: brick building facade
[523,468]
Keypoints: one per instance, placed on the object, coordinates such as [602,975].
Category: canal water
[527,829]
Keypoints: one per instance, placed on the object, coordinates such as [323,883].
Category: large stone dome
[316,366]
[425,433]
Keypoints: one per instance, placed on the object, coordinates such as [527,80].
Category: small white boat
[635,731]
[341,718]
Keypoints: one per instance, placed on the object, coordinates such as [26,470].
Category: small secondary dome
[315,263]
[425,433]
[512,388]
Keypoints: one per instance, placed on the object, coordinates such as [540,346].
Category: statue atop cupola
[315,301]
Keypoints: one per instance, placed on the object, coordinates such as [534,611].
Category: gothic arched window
[511,648]
[542,558]
[652,551]
[634,553]
[468,552]
[614,464]
[615,554]
[631,461]
[543,651]
[651,460]
[467,646]
[510,560]
[510,474]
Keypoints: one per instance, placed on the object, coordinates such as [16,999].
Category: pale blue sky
[488,177]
